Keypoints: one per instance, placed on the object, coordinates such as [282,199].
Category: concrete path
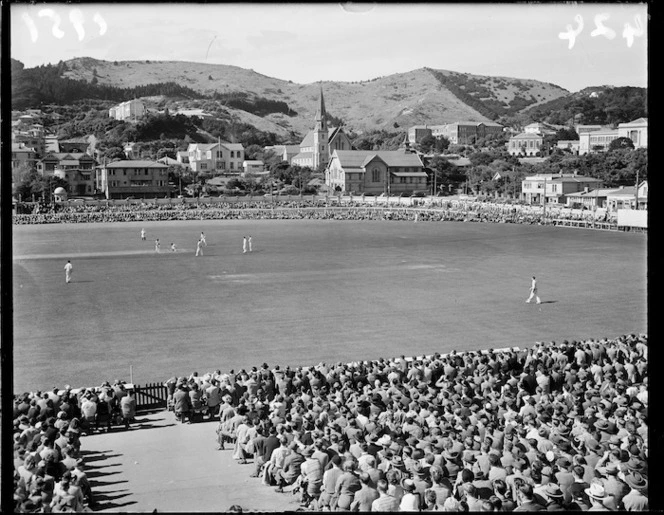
[163,465]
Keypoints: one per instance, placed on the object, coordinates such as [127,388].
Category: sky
[571,45]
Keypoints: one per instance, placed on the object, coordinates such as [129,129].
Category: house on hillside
[636,130]
[75,145]
[130,110]
[77,168]
[23,157]
[417,133]
[137,179]
[63,161]
[220,157]
[318,145]
[392,172]
[465,132]
[525,144]
[596,141]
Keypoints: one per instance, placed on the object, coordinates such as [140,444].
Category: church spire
[321,115]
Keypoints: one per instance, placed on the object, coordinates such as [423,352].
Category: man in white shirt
[68,270]
[203,242]
[533,292]
[143,234]
[199,248]
[244,244]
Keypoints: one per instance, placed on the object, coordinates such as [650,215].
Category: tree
[620,143]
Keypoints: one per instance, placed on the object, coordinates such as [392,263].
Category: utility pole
[544,199]
[636,192]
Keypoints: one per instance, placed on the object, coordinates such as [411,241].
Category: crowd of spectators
[49,468]
[558,427]
[438,210]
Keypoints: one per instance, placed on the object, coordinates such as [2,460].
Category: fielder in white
[157,245]
[172,247]
[199,248]
[203,242]
[533,292]
[68,270]
[244,244]
[249,242]
[142,234]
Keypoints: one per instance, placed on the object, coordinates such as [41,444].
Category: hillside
[422,96]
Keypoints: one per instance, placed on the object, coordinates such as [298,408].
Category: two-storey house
[215,158]
[138,179]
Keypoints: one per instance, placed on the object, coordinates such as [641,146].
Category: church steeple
[321,154]
[321,115]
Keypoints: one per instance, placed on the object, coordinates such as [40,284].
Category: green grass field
[310,291]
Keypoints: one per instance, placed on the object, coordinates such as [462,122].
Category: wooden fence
[151,396]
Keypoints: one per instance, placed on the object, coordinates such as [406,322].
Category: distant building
[221,157]
[253,167]
[77,168]
[75,145]
[130,110]
[23,156]
[627,197]
[286,152]
[417,133]
[391,172]
[138,179]
[636,130]
[569,144]
[467,133]
[318,145]
[596,141]
[554,188]
[526,144]
[55,161]
[458,133]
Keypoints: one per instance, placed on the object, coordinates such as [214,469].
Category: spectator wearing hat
[597,496]
[497,471]
[311,476]
[564,477]
[483,486]
[636,499]
[411,500]
[182,404]
[554,496]
[614,487]
[128,408]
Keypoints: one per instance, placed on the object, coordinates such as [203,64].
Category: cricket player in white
[199,248]
[249,242]
[244,244]
[156,245]
[142,234]
[533,292]
[68,270]
[203,242]
[173,247]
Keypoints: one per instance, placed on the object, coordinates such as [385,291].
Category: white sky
[350,42]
